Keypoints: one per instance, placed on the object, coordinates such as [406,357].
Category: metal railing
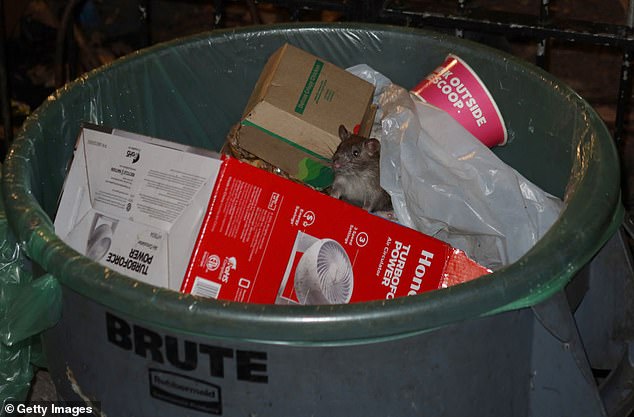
[543,27]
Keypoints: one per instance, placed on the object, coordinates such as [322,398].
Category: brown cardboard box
[292,117]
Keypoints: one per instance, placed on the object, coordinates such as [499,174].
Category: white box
[135,204]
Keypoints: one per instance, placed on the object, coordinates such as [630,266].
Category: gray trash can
[503,345]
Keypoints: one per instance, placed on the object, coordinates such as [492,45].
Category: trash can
[505,344]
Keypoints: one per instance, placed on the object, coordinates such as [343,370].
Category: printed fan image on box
[100,236]
[318,272]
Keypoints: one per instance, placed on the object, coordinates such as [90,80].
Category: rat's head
[355,152]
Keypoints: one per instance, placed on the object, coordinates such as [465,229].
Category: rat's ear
[372,146]
[344,134]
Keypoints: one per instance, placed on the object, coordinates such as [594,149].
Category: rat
[356,167]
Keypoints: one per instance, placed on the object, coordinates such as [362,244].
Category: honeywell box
[266,239]
[293,115]
[135,204]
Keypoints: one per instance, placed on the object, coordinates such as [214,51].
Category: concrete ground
[42,388]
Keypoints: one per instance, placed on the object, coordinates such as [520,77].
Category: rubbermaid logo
[185,391]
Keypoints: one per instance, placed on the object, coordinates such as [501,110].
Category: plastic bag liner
[192,90]
[16,370]
[27,307]
[447,184]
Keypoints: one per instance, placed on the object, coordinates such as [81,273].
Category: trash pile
[335,186]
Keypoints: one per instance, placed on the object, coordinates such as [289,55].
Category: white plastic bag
[447,184]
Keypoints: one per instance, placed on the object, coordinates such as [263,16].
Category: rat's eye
[355,152]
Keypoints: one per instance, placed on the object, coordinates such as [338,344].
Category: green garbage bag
[15,366]
[26,308]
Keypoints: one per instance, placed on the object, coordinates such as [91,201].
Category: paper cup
[455,88]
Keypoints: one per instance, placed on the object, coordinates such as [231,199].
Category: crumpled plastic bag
[447,184]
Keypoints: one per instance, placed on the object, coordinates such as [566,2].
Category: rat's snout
[340,161]
[337,163]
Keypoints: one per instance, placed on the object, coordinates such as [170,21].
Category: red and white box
[266,239]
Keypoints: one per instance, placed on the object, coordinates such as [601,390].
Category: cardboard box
[135,204]
[293,115]
[266,239]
